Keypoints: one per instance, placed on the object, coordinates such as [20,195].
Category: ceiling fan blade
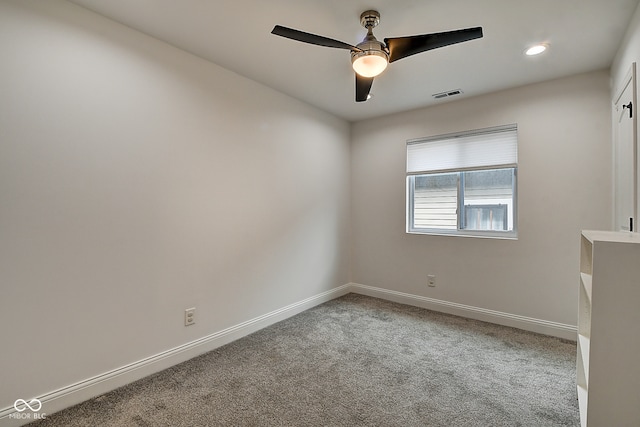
[401,47]
[301,36]
[363,86]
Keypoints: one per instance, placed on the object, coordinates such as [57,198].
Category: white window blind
[491,147]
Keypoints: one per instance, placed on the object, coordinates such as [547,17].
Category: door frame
[630,79]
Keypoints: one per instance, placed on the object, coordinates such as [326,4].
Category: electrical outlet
[431,280]
[189,316]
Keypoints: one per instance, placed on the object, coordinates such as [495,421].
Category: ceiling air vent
[448,93]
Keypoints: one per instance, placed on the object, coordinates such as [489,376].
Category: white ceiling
[583,36]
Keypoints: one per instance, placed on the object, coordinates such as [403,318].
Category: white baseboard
[103,383]
[545,327]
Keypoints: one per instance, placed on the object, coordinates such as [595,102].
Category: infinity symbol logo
[21,405]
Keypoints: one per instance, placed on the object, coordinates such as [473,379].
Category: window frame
[460,208]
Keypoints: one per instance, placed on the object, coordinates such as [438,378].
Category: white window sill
[500,235]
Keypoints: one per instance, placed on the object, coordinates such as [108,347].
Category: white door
[625,112]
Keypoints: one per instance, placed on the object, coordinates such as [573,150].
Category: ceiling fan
[370,57]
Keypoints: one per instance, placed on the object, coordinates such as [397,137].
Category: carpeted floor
[356,361]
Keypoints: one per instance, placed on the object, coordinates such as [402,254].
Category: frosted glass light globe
[369,63]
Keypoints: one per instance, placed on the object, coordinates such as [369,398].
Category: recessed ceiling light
[536,50]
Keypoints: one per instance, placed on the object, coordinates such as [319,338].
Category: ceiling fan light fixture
[369,63]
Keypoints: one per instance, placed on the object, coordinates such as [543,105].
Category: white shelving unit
[608,364]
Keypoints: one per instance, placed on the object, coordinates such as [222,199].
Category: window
[464,183]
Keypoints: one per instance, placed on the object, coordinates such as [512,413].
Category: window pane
[435,201]
[488,199]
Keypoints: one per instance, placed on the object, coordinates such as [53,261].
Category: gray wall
[629,51]
[137,180]
[564,185]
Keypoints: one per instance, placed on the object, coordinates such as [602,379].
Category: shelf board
[585,344]
[611,236]
[582,403]
[586,284]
